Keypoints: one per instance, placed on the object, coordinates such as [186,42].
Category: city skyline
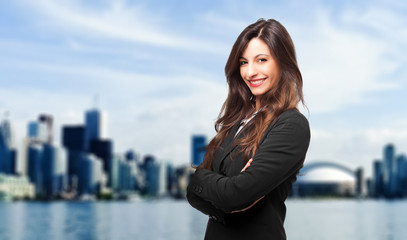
[158,69]
[84,167]
[87,163]
[194,153]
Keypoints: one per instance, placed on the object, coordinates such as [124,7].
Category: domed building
[325,179]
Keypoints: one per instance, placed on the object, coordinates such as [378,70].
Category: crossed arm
[207,208]
[279,156]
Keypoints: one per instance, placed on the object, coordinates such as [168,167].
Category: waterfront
[176,220]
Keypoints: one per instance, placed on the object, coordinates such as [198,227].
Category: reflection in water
[170,220]
[346,219]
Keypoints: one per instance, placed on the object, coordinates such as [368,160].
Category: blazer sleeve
[206,207]
[279,156]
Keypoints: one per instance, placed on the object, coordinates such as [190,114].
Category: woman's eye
[243,63]
[262,60]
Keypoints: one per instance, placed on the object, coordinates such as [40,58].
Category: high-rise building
[163,179]
[127,175]
[131,156]
[37,131]
[103,149]
[73,139]
[155,177]
[390,174]
[55,170]
[370,187]
[34,167]
[95,126]
[378,178]
[48,121]
[360,183]
[401,175]
[7,131]
[198,149]
[23,160]
[7,153]
[91,175]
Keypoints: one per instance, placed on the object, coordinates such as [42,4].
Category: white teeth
[256,82]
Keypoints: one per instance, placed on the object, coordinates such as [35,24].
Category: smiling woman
[261,140]
[258,68]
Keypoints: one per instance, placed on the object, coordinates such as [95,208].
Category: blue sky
[157,67]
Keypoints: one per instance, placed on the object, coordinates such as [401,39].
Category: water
[176,220]
[346,219]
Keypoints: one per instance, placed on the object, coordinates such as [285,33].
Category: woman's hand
[244,209]
[244,168]
[247,164]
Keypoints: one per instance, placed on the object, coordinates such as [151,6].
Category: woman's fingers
[248,206]
[247,164]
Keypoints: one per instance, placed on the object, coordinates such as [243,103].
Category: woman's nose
[251,70]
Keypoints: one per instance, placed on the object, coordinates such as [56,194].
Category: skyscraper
[198,149]
[73,139]
[37,131]
[378,179]
[48,121]
[389,173]
[126,171]
[34,168]
[7,153]
[7,132]
[401,175]
[360,182]
[91,174]
[103,149]
[152,175]
[95,126]
[54,168]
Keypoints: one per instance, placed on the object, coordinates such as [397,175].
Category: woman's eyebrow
[258,55]
[262,54]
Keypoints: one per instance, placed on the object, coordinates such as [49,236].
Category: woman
[261,139]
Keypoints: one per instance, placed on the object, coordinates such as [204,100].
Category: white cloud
[384,22]
[341,66]
[215,23]
[119,21]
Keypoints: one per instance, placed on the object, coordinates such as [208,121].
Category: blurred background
[114,100]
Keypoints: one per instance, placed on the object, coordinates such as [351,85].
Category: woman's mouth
[256,82]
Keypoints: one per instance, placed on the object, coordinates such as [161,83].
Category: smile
[256,82]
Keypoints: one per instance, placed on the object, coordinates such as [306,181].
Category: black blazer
[277,161]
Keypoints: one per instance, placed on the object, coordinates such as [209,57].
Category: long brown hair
[286,93]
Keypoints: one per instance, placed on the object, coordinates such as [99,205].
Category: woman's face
[258,68]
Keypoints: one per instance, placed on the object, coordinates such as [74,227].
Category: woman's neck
[257,103]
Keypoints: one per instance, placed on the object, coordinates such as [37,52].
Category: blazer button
[214,218]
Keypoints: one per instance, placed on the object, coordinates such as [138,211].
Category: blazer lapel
[225,149]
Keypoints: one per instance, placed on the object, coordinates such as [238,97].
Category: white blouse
[245,121]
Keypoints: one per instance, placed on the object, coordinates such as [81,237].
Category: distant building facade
[390,174]
[198,149]
[14,187]
[327,179]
